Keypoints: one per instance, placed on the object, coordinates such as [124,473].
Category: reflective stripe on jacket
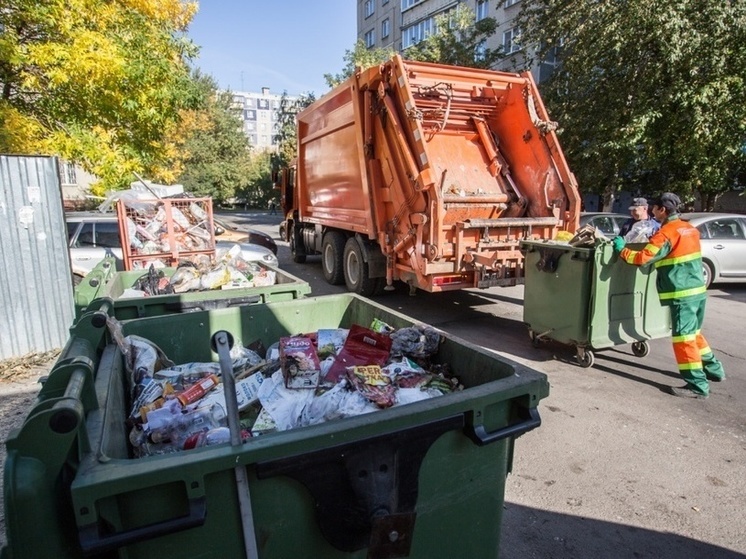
[675,251]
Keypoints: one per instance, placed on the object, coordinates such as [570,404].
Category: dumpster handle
[530,419]
[92,542]
[212,304]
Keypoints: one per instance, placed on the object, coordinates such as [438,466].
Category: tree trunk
[708,200]
[609,196]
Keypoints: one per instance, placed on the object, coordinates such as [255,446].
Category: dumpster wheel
[585,358]
[640,349]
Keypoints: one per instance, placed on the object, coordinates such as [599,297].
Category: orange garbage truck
[428,174]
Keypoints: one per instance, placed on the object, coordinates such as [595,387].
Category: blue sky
[285,45]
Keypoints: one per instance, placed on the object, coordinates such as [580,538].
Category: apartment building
[260,114]
[399,24]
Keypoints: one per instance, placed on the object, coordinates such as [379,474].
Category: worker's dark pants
[696,361]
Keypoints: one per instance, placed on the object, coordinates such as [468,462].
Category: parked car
[92,236]
[227,232]
[723,238]
[608,223]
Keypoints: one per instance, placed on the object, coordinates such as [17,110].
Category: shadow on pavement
[529,533]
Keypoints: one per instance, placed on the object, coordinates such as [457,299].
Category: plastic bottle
[187,423]
[217,435]
[197,390]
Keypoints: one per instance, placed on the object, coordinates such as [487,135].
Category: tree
[650,95]
[259,189]
[287,135]
[95,82]
[459,40]
[359,57]
[210,151]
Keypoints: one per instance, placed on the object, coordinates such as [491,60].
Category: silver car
[723,238]
[607,222]
[92,236]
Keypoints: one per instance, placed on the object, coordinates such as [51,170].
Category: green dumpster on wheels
[105,281]
[588,298]
[424,480]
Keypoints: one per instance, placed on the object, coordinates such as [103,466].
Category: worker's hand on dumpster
[618,244]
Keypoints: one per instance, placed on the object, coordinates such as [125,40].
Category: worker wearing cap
[675,252]
[639,212]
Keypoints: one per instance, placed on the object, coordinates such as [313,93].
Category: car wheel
[332,257]
[356,273]
[707,272]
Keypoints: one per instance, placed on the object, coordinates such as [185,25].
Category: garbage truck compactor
[426,173]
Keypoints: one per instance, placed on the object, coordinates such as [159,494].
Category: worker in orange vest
[675,252]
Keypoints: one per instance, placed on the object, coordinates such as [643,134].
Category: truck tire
[356,273]
[332,257]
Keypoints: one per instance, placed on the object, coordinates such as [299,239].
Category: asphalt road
[618,468]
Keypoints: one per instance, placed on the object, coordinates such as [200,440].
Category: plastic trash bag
[186,278]
[640,232]
[417,342]
[285,405]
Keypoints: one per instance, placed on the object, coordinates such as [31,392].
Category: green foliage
[459,40]
[259,189]
[650,95]
[359,57]
[212,151]
[287,136]
[93,81]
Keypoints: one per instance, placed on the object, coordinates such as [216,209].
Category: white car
[92,236]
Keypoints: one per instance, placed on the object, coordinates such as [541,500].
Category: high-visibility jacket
[676,253]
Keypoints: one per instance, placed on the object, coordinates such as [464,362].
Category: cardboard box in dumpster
[335,490]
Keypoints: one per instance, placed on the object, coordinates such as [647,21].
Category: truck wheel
[356,270]
[299,256]
[332,257]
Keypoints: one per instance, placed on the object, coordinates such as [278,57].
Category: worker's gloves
[618,244]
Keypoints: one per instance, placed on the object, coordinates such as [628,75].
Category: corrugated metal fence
[36,301]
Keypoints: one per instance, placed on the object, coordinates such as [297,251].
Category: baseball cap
[638,202]
[668,200]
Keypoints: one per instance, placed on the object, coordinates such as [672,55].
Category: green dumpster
[588,298]
[424,480]
[105,281]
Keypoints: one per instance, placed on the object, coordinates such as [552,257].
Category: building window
[510,2]
[511,40]
[480,51]
[370,38]
[263,103]
[67,170]
[482,8]
[406,4]
[370,7]
[385,28]
[249,115]
[417,32]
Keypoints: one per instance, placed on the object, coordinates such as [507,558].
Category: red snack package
[362,347]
